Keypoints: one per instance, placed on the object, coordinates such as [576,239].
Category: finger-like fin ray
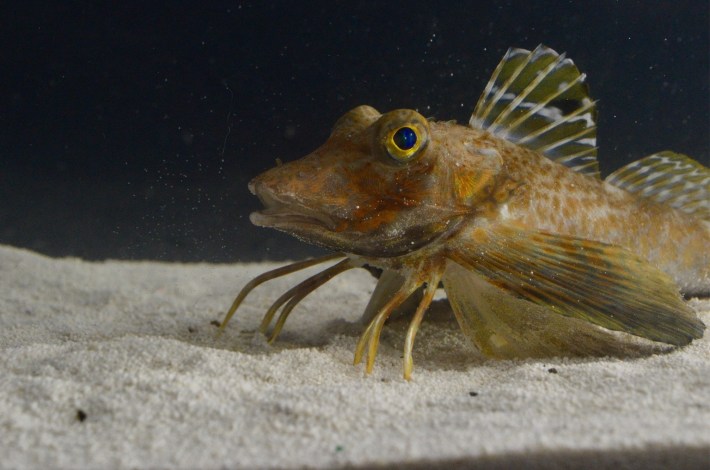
[298,293]
[273,274]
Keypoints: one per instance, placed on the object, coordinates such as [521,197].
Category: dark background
[131,131]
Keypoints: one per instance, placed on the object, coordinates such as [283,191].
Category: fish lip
[285,212]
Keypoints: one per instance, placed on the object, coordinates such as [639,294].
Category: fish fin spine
[540,100]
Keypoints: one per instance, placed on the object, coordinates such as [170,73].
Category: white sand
[130,344]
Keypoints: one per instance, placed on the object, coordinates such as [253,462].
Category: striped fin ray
[669,178]
[539,100]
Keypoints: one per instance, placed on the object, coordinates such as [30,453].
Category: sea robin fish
[508,214]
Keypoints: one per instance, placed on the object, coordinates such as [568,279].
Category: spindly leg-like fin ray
[273,274]
[539,100]
[393,291]
[298,293]
[370,338]
[424,282]
[388,284]
[603,284]
[428,296]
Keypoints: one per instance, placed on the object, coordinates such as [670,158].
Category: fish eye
[404,138]
[401,135]
[404,142]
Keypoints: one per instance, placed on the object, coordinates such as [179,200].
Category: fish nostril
[259,185]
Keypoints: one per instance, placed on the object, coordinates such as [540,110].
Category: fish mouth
[283,212]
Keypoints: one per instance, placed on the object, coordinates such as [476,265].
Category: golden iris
[401,135]
[403,143]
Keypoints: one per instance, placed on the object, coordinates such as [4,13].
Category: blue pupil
[405,138]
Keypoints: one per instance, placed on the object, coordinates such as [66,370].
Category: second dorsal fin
[669,178]
[539,100]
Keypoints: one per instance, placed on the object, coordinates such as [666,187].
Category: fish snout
[286,202]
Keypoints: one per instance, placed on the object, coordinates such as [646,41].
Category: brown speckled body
[556,199]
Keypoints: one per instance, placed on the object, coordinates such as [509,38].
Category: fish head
[382,185]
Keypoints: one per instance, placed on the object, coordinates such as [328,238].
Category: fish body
[509,214]
[556,199]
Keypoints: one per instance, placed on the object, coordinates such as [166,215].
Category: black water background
[131,131]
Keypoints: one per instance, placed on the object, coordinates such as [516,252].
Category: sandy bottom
[118,364]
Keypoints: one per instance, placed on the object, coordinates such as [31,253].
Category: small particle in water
[80,415]
[473,394]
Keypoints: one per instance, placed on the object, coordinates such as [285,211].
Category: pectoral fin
[504,326]
[603,284]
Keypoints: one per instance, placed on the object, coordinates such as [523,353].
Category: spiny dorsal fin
[669,178]
[539,100]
